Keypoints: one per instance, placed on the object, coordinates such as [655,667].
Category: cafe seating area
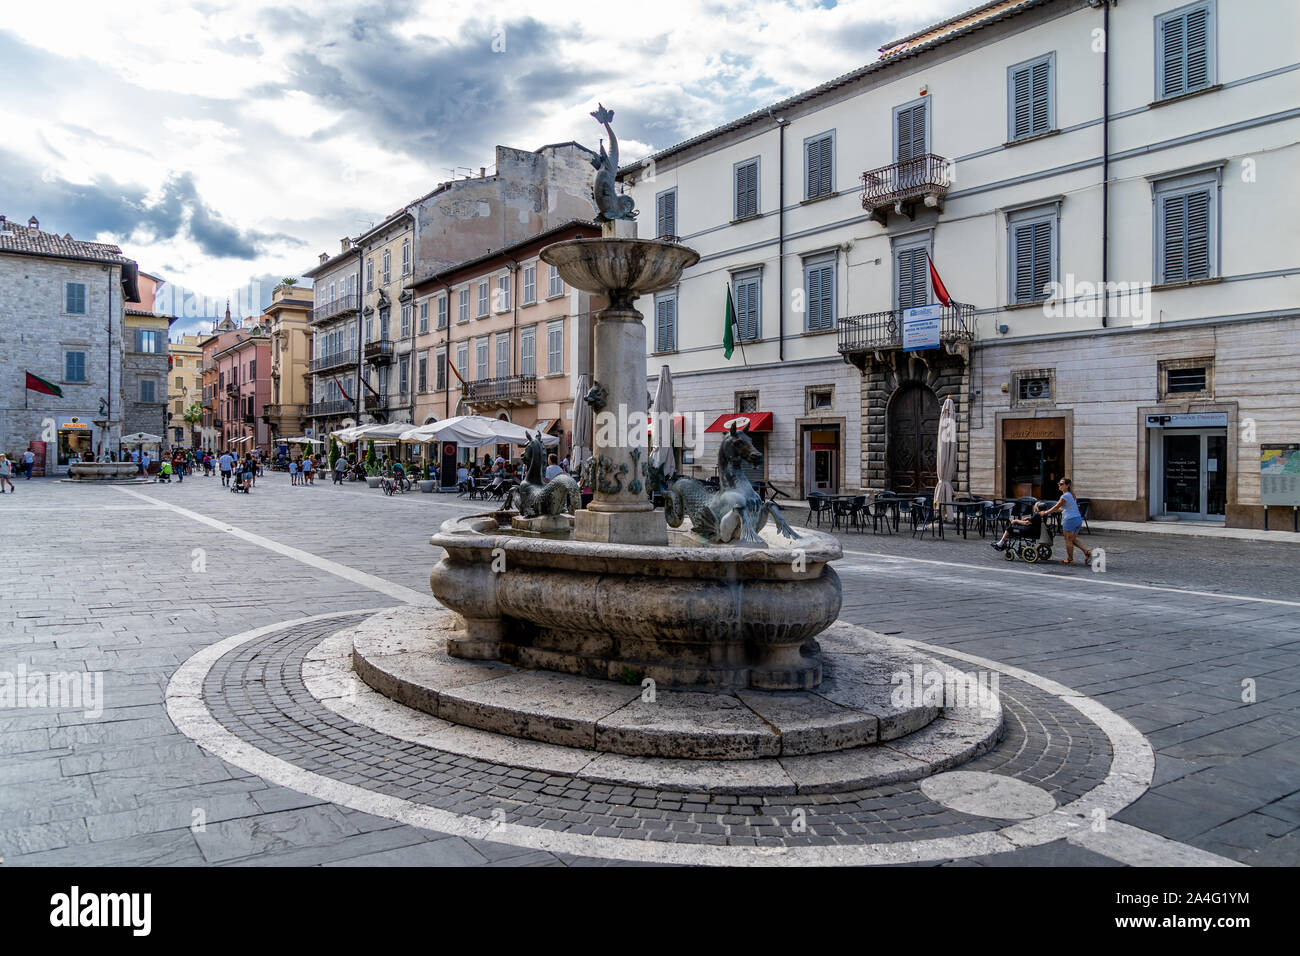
[890,512]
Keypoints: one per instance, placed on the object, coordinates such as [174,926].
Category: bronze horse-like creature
[535,497]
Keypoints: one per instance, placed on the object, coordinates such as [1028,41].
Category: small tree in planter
[335,453]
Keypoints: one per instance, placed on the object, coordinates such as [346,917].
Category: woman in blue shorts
[1071,522]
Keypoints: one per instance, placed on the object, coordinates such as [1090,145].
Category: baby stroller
[237,482]
[1030,547]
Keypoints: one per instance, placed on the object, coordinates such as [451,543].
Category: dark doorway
[913,438]
[1033,468]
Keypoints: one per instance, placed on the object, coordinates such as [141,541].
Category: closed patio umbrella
[664,455]
[582,424]
[946,455]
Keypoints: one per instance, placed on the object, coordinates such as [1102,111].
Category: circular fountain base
[856,730]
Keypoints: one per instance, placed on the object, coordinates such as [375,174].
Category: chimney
[345,243]
[324,257]
[34,223]
[482,172]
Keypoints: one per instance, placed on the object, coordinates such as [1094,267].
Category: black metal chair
[847,510]
[883,509]
[925,517]
[1085,506]
[819,504]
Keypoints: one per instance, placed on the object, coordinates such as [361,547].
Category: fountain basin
[712,617]
[102,470]
[623,269]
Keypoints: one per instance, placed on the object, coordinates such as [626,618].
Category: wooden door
[913,439]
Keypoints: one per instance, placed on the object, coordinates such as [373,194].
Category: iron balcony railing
[373,401]
[335,360]
[336,406]
[327,310]
[884,330]
[922,177]
[507,389]
[379,352]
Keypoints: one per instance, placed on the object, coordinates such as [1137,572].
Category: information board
[1279,474]
[921,327]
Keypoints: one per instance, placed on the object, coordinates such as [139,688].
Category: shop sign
[1204,420]
[1032,429]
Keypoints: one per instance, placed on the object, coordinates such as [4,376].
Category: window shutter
[1024,263]
[820,294]
[811,159]
[746,190]
[817,161]
[665,320]
[1175,55]
[824,177]
[1196,38]
[1021,111]
[1042,258]
[911,133]
[1041,95]
[913,278]
[1175,251]
[666,213]
[1198,235]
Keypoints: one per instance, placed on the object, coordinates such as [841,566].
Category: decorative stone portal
[902,393]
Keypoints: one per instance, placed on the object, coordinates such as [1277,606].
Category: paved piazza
[1150,710]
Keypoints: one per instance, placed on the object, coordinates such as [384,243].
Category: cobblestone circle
[257,693]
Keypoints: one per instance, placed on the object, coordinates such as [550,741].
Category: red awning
[757,421]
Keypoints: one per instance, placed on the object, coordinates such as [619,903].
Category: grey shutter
[666,213]
[1021,119]
[913,277]
[1175,251]
[1196,37]
[820,297]
[1198,235]
[665,325]
[1041,97]
[1174,54]
[911,133]
[746,190]
[817,160]
[746,303]
[1033,255]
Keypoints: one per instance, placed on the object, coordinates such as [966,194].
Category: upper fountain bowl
[620,268]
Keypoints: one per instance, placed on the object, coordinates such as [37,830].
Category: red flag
[38,384]
[940,290]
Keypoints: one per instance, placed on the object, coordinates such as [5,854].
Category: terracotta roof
[916,43]
[26,240]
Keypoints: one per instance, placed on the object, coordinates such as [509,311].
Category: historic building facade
[1118,267]
[61,320]
[185,390]
[146,364]
[285,413]
[335,322]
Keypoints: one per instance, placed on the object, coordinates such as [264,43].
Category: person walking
[29,459]
[309,470]
[6,470]
[178,468]
[1071,522]
[225,463]
[293,471]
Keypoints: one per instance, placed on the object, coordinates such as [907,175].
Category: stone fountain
[557,637]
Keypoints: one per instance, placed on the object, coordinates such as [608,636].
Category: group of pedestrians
[302,472]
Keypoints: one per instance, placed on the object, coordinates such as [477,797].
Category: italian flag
[38,384]
[728,321]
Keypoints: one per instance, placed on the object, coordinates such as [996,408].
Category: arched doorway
[913,438]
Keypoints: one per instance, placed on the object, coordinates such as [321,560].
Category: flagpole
[743,358]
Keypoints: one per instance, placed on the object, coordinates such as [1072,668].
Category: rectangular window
[147,389]
[911,131]
[1033,236]
[424,317]
[180,362]
[388,270]
[462,359]
[666,213]
[440,370]
[819,169]
[1181,379]
[1029,87]
[482,299]
[746,188]
[422,372]
[530,284]
[404,374]
[75,298]
[462,306]
[370,275]
[1187,228]
[406,322]
[746,294]
[911,277]
[1033,387]
[666,322]
[148,341]
[1187,379]
[554,284]
[180,381]
[503,293]
[74,366]
[819,293]
[555,348]
[1184,50]
[503,355]
[406,257]
[528,351]
[481,358]
[442,311]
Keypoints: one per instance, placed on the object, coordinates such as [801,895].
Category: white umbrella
[302,440]
[664,456]
[582,424]
[946,457]
[141,438]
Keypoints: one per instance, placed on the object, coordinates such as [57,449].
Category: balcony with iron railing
[379,352]
[375,401]
[508,390]
[861,335]
[334,360]
[898,187]
[328,310]
[335,406]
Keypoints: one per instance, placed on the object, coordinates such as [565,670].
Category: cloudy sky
[229,142]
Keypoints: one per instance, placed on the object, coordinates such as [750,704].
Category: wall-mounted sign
[1032,429]
[1279,474]
[1204,420]
[921,327]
